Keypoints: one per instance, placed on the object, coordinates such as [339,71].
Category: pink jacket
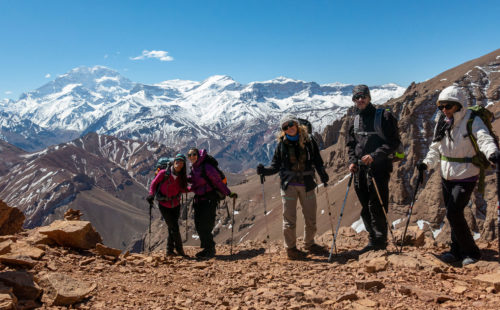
[171,189]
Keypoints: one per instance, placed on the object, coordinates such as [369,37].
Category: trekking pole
[262,179]
[150,217]
[383,208]
[420,179]
[232,226]
[334,244]
[498,205]
[227,209]
[329,210]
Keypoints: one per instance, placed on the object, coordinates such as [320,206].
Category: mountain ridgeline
[236,123]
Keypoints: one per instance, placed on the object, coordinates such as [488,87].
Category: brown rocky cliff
[416,110]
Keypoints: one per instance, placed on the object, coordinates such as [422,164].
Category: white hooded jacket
[461,145]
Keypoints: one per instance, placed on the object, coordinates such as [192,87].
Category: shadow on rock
[244,254]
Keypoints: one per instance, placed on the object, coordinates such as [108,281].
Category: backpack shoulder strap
[356,124]
[377,123]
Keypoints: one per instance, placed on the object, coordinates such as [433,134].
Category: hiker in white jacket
[453,150]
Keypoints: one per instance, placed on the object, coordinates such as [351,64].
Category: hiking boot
[449,258]
[180,251]
[373,247]
[206,253]
[170,252]
[295,254]
[316,249]
[468,260]
[369,247]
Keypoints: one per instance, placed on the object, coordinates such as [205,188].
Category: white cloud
[160,55]
[47,76]
[8,92]
[106,56]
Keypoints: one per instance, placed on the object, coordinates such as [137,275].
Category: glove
[260,169]
[494,157]
[150,199]
[421,166]
[233,195]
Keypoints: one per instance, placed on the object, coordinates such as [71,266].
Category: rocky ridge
[36,271]
[416,110]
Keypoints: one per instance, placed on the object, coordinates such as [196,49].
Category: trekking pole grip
[262,179]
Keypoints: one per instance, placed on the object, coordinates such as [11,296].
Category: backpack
[399,154]
[480,159]
[164,163]
[306,123]
[214,163]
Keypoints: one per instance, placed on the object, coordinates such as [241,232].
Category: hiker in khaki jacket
[294,158]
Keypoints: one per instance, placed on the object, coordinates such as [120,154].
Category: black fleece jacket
[379,149]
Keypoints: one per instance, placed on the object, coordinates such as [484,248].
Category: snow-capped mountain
[235,122]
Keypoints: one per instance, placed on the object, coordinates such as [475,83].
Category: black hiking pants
[204,220]
[456,197]
[171,217]
[371,211]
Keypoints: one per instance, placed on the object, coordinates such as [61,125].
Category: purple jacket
[199,185]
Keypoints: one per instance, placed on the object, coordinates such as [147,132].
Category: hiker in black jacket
[370,154]
[295,158]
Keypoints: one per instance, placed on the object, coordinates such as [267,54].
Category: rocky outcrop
[416,110]
[63,290]
[11,219]
[74,234]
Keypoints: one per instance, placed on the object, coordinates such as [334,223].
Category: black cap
[360,90]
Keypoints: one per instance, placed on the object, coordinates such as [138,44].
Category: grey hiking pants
[289,198]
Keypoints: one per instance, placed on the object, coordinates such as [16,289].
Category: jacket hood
[201,158]
[455,94]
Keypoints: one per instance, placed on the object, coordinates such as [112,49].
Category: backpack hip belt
[464,160]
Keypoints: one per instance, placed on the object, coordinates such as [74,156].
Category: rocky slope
[49,268]
[416,110]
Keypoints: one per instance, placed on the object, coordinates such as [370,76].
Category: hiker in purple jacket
[209,188]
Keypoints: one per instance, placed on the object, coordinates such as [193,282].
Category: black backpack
[399,154]
[306,123]
[214,163]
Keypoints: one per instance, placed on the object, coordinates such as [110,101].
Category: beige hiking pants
[289,198]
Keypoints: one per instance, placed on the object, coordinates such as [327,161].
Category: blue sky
[370,42]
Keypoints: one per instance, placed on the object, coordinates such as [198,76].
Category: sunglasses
[192,154]
[287,125]
[446,106]
[357,97]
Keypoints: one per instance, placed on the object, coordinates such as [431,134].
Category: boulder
[5,246]
[62,290]
[23,248]
[490,279]
[8,300]
[72,215]
[414,236]
[107,251]
[75,234]
[15,259]
[22,284]
[11,219]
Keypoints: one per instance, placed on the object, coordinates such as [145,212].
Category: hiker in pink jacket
[167,187]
